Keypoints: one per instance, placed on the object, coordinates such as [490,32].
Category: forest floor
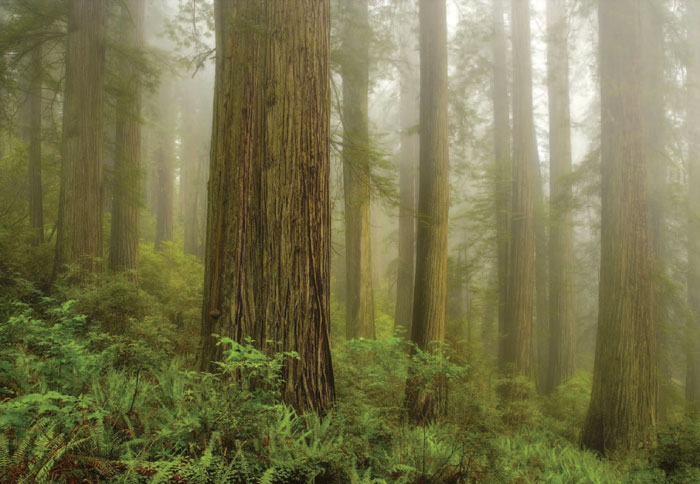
[97,386]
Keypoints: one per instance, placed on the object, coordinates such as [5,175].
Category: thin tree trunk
[692,379]
[33,138]
[516,344]
[126,204]
[503,164]
[164,161]
[79,236]
[267,267]
[430,293]
[408,166]
[356,171]
[624,396]
[562,335]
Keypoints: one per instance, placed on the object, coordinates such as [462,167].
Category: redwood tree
[79,234]
[267,274]
[433,204]
[359,299]
[126,191]
[624,395]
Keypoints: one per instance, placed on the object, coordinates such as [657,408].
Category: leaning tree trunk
[502,156]
[32,136]
[79,235]
[562,336]
[692,380]
[359,299]
[408,166]
[124,242]
[516,340]
[623,399]
[267,267]
[426,400]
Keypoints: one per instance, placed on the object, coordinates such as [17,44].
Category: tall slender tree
[359,299]
[562,337]
[32,135]
[692,128]
[516,340]
[267,274]
[126,191]
[164,161]
[408,167]
[502,155]
[433,203]
[79,235]
[623,400]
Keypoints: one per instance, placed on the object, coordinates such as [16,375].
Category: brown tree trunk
[267,267]
[502,155]
[124,242]
[359,299]
[516,343]
[433,205]
[79,236]
[408,166]
[562,335]
[164,161]
[32,136]
[692,379]
[623,399]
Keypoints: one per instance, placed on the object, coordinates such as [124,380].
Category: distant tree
[516,341]
[164,164]
[623,401]
[32,136]
[433,204]
[562,334]
[267,274]
[126,191]
[408,167]
[502,155]
[359,298]
[79,234]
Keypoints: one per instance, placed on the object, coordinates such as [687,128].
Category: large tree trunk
[124,243]
[433,205]
[408,166]
[502,155]
[359,300]
[623,399]
[79,236]
[164,161]
[692,380]
[267,272]
[32,136]
[562,336]
[516,343]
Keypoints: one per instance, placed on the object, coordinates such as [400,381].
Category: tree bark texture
[126,191]
[562,331]
[164,161]
[623,401]
[267,264]
[430,292]
[79,235]
[359,299]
